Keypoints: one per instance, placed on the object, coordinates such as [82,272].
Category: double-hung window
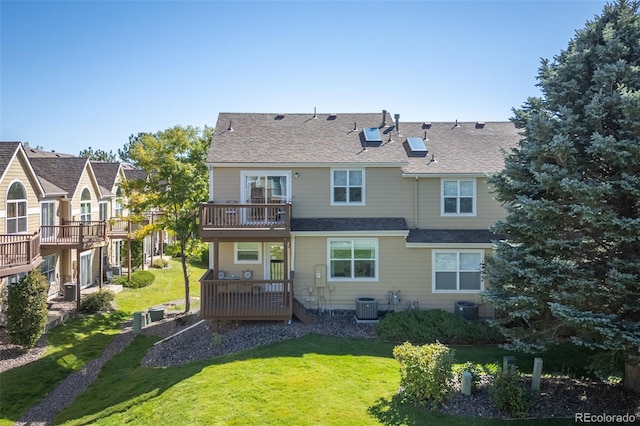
[457,271]
[458,197]
[85,206]
[347,187]
[353,259]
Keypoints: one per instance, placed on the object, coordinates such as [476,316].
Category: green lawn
[312,380]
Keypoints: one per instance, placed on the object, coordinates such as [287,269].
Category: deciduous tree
[177,182]
[570,266]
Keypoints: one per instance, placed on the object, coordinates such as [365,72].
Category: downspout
[415,204]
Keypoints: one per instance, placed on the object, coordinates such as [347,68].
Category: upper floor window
[458,197]
[347,187]
[16,209]
[117,205]
[353,259]
[103,210]
[457,271]
[85,206]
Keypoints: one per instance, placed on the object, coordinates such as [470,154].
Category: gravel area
[201,342]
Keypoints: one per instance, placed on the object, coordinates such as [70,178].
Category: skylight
[417,147]
[372,134]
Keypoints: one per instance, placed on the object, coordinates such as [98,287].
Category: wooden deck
[74,235]
[19,253]
[235,299]
[122,228]
[233,220]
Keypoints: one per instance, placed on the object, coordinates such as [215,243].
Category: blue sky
[79,74]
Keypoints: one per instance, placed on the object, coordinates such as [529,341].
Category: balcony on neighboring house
[240,299]
[81,235]
[19,253]
[122,228]
[258,221]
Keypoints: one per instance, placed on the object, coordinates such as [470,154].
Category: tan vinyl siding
[85,182]
[400,269]
[387,193]
[227,264]
[17,171]
[488,210]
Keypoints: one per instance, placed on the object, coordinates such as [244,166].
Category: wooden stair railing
[302,313]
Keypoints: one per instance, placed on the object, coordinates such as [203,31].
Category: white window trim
[263,173]
[88,203]
[16,201]
[103,205]
[475,196]
[247,262]
[354,279]
[349,203]
[457,291]
[83,256]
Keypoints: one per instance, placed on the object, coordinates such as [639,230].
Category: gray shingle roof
[106,173]
[451,236]
[300,138]
[63,172]
[349,224]
[7,151]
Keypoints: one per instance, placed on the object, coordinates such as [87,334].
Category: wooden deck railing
[122,227]
[73,233]
[248,216]
[18,249]
[230,299]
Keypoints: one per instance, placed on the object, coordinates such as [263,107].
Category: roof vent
[384,118]
[397,118]
[480,125]
[426,125]
[417,148]
[229,129]
[455,125]
[332,116]
[279,116]
[314,113]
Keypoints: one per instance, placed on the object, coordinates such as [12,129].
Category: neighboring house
[19,218]
[347,212]
[73,236]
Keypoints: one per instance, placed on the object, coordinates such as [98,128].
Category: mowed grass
[79,340]
[313,380]
[168,286]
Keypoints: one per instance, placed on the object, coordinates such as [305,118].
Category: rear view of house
[347,212]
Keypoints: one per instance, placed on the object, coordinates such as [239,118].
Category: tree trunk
[187,300]
[632,374]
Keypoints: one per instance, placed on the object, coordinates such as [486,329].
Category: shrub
[120,280]
[508,393]
[475,370]
[27,309]
[160,263]
[100,301]
[420,327]
[424,372]
[140,279]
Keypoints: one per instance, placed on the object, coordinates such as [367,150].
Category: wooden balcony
[253,300]
[244,221]
[19,253]
[122,228]
[74,235]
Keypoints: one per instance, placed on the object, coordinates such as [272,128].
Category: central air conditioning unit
[366,308]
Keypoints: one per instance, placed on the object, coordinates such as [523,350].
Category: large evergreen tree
[570,266]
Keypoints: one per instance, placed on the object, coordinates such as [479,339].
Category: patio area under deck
[251,300]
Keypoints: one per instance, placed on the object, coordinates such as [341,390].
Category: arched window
[16,209]
[85,206]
